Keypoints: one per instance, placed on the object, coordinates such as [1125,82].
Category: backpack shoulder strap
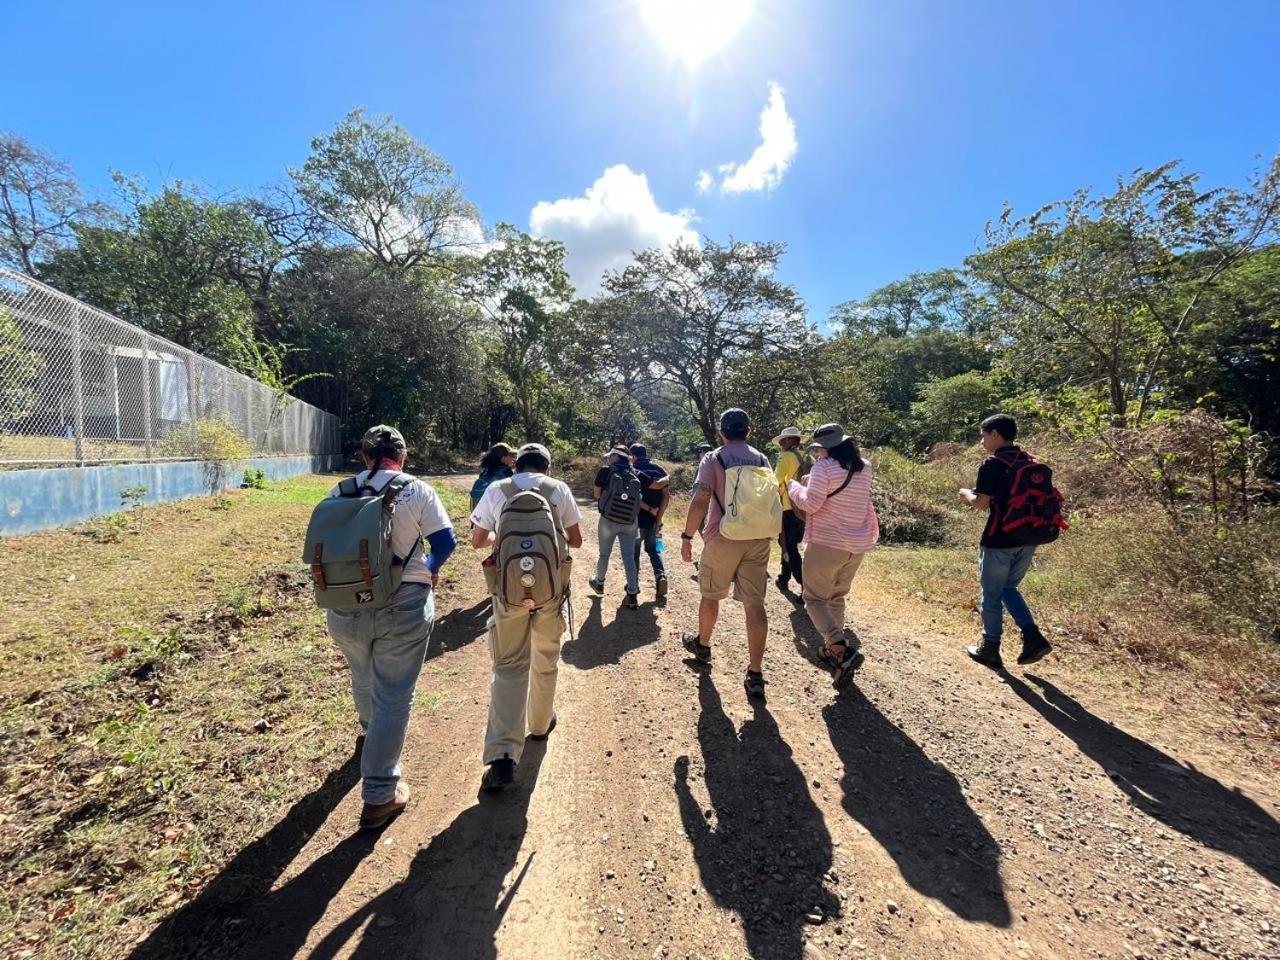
[394,487]
[725,469]
[349,488]
[847,480]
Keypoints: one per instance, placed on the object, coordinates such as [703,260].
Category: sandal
[845,665]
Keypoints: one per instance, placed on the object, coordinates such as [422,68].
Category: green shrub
[215,439]
[255,479]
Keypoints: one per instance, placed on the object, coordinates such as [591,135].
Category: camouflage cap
[382,435]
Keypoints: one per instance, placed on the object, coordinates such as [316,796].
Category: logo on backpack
[1033,513]
[364,596]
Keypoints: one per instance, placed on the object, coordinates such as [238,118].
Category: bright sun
[695,29]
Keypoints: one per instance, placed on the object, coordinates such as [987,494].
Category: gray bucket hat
[830,435]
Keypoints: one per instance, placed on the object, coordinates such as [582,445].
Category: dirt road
[933,810]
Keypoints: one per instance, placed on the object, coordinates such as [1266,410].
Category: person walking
[385,645]
[531,521]
[1003,557]
[654,497]
[736,493]
[618,492]
[841,526]
[495,465]
[792,465]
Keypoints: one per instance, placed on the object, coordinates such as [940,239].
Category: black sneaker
[1034,646]
[987,654]
[693,643]
[782,583]
[500,775]
[754,684]
[660,588]
[632,602]
[596,585]
[539,737]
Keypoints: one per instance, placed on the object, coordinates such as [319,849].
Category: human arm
[440,545]
[662,508]
[698,507]
[979,501]
[991,474]
[573,535]
[480,537]
[810,496]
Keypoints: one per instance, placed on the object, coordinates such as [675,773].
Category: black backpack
[620,498]
[1032,514]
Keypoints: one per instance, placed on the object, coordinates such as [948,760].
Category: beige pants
[828,576]
[526,656]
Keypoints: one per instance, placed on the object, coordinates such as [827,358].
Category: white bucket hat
[792,432]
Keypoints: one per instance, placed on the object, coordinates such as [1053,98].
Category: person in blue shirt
[654,497]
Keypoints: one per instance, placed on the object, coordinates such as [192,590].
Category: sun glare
[695,29]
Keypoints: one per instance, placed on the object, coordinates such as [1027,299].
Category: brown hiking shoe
[377,815]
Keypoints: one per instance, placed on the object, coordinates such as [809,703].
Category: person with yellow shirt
[792,465]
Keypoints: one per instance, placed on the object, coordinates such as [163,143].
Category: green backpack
[349,546]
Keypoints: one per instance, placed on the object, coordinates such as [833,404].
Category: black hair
[533,462]
[735,434]
[1003,424]
[384,450]
[492,460]
[847,455]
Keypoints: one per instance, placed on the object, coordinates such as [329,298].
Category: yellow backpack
[752,509]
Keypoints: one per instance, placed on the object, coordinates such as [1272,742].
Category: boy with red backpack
[1024,510]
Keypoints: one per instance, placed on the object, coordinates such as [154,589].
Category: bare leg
[708,613]
[757,633]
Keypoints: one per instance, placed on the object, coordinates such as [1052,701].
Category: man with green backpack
[736,492]
[364,547]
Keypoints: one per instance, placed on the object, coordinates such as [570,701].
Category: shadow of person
[597,644]
[213,924]
[762,849]
[459,627]
[452,901]
[1177,794]
[914,808]
[806,638]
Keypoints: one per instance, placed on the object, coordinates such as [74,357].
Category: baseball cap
[639,450]
[537,448]
[382,435]
[734,420]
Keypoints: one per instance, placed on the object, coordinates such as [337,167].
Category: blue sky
[913,121]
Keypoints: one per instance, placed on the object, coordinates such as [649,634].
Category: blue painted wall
[32,500]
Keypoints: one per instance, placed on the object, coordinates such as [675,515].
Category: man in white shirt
[525,644]
[385,647]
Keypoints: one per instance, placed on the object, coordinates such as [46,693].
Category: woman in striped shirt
[841,526]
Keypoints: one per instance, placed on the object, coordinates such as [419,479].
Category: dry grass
[163,699]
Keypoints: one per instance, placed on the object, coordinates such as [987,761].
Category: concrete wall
[32,500]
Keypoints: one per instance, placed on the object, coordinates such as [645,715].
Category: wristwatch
[686,536]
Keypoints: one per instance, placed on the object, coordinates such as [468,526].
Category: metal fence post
[77,385]
[147,428]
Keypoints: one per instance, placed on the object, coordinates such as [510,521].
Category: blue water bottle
[661,545]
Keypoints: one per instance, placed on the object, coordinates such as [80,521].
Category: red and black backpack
[1032,514]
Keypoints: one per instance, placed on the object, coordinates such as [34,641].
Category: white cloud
[617,216]
[705,181]
[763,170]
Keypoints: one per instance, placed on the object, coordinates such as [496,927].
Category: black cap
[734,420]
[639,450]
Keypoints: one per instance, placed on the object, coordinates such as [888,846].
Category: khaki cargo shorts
[740,564]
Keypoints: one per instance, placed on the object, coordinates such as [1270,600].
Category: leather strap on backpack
[364,564]
[317,568]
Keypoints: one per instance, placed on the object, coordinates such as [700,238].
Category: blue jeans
[385,649]
[1001,569]
[625,535]
[649,537]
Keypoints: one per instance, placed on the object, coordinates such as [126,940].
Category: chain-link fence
[79,386]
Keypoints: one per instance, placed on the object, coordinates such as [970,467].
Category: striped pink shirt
[845,521]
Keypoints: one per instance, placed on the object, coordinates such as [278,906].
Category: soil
[934,809]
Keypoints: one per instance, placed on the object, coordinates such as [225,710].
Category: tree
[523,290]
[21,368]
[702,309]
[1100,291]
[936,300]
[951,408]
[40,203]
[373,183]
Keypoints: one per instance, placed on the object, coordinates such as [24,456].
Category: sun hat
[502,448]
[382,435]
[734,420]
[830,435]
[792,432]
[619,451]
[537,448]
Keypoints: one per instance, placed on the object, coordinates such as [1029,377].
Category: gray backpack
[349,546]
[530,564]
[620,498]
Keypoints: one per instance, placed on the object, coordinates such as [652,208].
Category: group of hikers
[377,544]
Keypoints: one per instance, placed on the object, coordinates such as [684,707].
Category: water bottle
[661,545]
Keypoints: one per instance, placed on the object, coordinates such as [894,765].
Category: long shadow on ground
[214,923]
[914,808]
[763,850]
[1176,794]
[597,644]
[458,628]
[452,901]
